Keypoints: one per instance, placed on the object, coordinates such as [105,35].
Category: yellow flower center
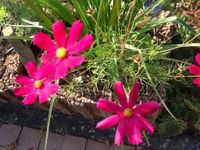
[61,52]
[128,112]
[38,84]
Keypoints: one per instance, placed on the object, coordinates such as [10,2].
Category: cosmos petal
[30,99]
[108,122]
[23,80]
[74,33]
[147,108]
[81,45]
[44,42]
[197,58]
[47,91]
[31,68]
[121,131]
[108,106]
[59,33]
[193,69]
[134,94]
[121,95]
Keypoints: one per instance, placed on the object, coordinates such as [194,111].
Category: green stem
[154,86]
[146,138]
[192,76]
[155,90]
[172,47]
[49,119]
[173,60]
[48,123]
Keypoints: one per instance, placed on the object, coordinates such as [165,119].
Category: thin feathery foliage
[170,127]
[125,49]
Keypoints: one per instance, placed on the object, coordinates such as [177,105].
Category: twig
[2,54]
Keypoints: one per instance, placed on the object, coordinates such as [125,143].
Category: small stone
[5,78]
[7,31]
[82,127]
[186,140]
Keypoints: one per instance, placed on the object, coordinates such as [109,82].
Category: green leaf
[95,3]
[40,13]
[140,18]
[194,106]
[81,12]
[115,12]
[149,26]
[58,8]
[98,22]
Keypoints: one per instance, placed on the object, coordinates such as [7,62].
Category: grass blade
[62,10]
[115,12]
[98,22]
[40,13]
[16,37]
[156,91]
[81,12]
[157,22]
[140,18]
[58,9]
[168,48]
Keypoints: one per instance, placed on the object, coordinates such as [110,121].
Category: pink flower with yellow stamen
[39,84]
[127,114]
[63,53]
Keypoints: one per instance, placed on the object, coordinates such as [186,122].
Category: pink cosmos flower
[63,53]
[127,114]
[194,69]
[39,84]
